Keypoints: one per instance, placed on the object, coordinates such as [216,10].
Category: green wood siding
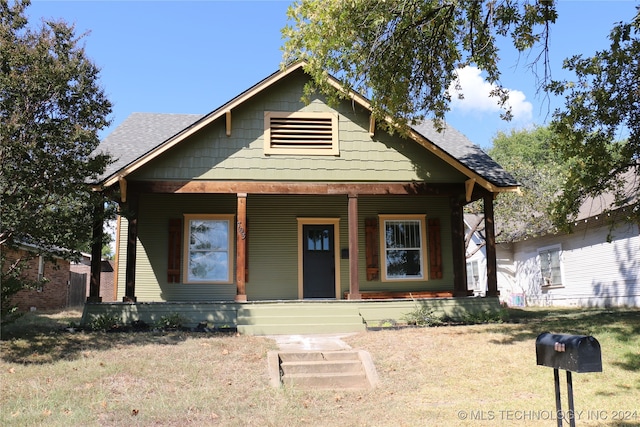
[272,243]
[152,248]
[211,154]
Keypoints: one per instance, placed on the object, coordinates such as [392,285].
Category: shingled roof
[140,133]
[458,146]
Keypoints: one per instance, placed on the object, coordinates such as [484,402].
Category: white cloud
[477,100]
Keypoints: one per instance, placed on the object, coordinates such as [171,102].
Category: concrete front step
[331,380]
[322,369]
[318,356]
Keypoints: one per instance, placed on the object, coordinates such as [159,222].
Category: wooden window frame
[300,149]
[231,232]
[422,220]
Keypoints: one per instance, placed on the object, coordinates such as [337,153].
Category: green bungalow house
[276,216]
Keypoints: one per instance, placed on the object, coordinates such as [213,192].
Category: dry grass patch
[482,375]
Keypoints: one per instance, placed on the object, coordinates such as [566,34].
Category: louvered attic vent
[303,133]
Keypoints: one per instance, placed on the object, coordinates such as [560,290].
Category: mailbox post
[573,353]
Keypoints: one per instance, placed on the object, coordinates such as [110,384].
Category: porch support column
[132,239]
[490,237]
[354,280]
[241,248]
[96,253]
[458,247]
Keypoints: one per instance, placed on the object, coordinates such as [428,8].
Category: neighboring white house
[598,264]
[476,255]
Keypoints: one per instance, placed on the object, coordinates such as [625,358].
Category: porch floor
[291,316]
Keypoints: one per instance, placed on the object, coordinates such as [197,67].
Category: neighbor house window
[402,239]
[208,248]
[40,267]
[550,268]
[305,133]
[473,274]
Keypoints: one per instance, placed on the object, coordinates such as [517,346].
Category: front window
[209,248]
[550,266]
[403,245]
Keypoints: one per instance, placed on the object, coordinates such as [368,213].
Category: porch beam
[490,248]
[96,253]
[123,189]
[273,187]
[458,247]
[354,279]
[241,248]
[132,239]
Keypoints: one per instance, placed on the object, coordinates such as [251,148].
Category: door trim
[336,248]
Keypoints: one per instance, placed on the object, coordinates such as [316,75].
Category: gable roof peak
[144,136]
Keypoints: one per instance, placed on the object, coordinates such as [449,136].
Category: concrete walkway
[322,342]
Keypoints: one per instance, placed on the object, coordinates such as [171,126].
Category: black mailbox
[575,353]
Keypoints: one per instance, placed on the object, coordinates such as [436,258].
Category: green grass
[474,375]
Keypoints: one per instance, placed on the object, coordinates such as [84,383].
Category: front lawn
[475,375]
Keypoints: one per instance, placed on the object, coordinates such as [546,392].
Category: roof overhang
[224,110]
[473,177]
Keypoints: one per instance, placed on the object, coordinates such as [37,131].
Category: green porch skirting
[290,316]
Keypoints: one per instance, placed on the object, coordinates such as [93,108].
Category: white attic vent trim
[305,133]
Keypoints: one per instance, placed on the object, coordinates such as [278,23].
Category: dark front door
[318,261]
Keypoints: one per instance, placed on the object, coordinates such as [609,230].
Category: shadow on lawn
[622,324]
[37,338]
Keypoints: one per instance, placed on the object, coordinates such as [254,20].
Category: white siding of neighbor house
[506,273]
[600,267]
[480,257]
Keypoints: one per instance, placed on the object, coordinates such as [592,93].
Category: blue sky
[193,56]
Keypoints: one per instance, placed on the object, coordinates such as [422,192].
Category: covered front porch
[293,317]
[279,215]
[359,299]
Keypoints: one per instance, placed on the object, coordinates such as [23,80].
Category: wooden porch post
[354,280]
[96,253]
[132,238]
[241,248]
[457,245]
[490,236]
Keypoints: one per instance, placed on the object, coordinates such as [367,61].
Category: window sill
[549,287]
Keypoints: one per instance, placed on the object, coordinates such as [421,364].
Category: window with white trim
[208,248]
[306,133]
[473,274]
[550,265]
[403,245]
[40,267]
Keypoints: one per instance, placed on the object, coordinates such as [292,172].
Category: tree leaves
[527,156]
[403,54]
[599,126]
[51,108]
